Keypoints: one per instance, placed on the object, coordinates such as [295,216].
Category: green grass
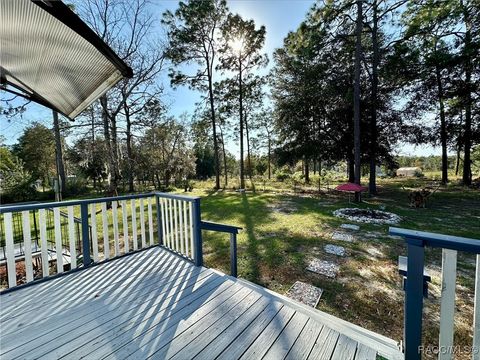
[273,249]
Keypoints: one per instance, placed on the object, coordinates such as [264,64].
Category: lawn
[285,225]
[282,230]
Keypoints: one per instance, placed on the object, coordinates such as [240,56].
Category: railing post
[159,220]
[85,235]
[233,254]
[197,233]
[414,299]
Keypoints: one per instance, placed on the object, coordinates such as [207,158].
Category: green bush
[17,184]
[75,186]
[283,173]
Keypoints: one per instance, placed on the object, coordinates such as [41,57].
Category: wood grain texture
[155,304]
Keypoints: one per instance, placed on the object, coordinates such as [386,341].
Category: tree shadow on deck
[145,317]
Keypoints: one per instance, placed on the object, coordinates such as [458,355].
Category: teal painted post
[414,299]
[233,254]
[159,221]
[85,235]
[197,233]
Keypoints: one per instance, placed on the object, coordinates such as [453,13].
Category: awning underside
[50,62]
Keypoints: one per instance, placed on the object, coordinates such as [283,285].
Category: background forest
[355,81]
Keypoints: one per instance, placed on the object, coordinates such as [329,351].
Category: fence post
[159,221]
[414,299]
[85,235]
[197,233]
[233,254]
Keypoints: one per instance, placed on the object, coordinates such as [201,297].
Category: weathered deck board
[154,304]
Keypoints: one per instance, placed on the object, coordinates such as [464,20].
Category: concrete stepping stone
[322,267]
[305,293]
[350,227]
[342,236]
[335,250]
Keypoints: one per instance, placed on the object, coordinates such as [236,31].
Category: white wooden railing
[110,227]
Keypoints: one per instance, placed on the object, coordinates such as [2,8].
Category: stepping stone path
[342,236]
[305,293]
[335,250]
[270,234]
[322,267]
[350,227]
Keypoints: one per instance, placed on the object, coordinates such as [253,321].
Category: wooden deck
[154,304]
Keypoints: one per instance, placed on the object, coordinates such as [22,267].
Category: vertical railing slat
[181,232]
[150,221]
[43,242]
[125,226]
[115,228]
[190,208]
[476,313]
[106,240]
[159,220]
[142,223]
[447,304]
[93,221]
[184,226]
[163,210]
[197,233]
[175,221]
[87,260]
[27,242]
[170,222]
[71,238]
[414,299]
[134,225]
[10,250]
[58,239]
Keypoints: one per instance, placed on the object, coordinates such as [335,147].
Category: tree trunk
[248,149]
[372,184]
[131,185]
[214,128]
[356,96]
[307,171]
[269,158]
[112,185]
[351,168]
[443,127]
[242,175]
[115,155]
[459,146]
[225,167]
[467,137]
[59,153]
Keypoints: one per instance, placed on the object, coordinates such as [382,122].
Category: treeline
[357,77]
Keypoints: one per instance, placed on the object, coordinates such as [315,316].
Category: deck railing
[109,228]
[416,243]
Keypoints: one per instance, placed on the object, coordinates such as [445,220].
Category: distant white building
[409,171]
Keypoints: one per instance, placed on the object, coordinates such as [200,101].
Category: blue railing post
[233,254]
[159,221]
[85,235]
[414,299]
[197,233]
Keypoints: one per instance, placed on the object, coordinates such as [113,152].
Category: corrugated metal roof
[50,55]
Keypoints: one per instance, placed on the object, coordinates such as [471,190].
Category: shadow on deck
[155,304]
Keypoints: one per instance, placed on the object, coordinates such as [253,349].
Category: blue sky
[278,16]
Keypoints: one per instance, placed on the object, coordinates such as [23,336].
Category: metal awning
[49,55]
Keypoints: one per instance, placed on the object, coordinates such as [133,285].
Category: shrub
[16,183]
[75,186]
